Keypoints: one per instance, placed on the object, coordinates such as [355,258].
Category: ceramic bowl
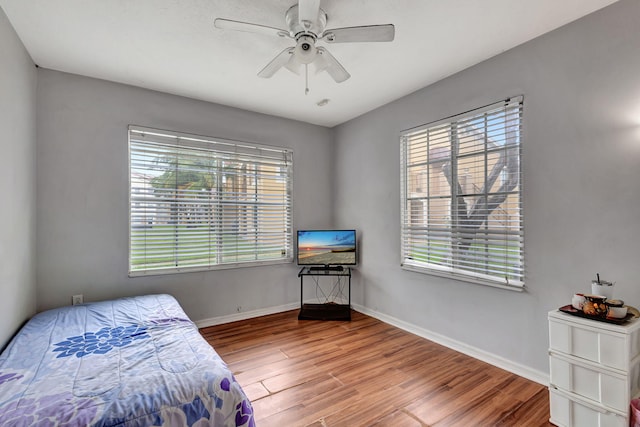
[617,312]
[595,305]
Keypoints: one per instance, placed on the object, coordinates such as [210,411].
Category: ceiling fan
[306,23]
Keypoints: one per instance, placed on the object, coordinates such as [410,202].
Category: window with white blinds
[461,196]
[198,203]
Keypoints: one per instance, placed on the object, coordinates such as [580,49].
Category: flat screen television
[326,247]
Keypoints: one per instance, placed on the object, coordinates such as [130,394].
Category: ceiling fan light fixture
[305,51]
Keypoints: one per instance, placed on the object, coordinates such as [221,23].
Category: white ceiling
[172,46]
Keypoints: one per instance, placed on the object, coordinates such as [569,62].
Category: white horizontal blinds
[198,203]
[461,196]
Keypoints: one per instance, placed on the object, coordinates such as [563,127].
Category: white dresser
[594,371]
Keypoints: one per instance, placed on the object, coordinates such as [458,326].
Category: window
[461,196]
[198,203]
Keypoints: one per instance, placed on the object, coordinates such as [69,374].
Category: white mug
[603,288]
[577,301]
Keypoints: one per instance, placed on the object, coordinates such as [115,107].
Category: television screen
[326,247]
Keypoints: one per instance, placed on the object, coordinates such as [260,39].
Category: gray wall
[82,193]
[581,85]
[17,182]
[581,158]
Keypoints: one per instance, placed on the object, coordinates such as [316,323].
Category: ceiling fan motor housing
[297,29]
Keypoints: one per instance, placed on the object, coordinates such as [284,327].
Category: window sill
[449,275]
[166,271]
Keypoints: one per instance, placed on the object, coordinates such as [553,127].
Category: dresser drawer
[601,386]
[568,412]
[600,346]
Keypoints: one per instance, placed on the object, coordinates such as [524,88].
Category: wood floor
[367,373]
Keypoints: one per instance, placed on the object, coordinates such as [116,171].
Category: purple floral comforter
[128,362]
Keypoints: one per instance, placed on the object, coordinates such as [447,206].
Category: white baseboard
[203,323]
[485,356]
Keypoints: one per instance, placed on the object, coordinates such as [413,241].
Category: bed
[128,362]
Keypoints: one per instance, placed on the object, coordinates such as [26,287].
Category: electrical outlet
[77,299]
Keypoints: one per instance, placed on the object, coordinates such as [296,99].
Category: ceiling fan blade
[327,62]
[308,12]
[365,33]
[228,24]
[276,63]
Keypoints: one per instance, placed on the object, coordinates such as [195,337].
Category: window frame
[452,268]
[284,174]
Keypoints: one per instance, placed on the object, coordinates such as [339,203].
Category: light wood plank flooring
[367,373]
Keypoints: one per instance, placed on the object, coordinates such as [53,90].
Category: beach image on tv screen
[327,247]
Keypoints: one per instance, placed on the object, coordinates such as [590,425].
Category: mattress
[128,362]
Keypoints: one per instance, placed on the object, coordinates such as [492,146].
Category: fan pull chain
[306,79]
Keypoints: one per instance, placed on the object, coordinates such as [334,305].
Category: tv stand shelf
[329,310]
[326,268]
